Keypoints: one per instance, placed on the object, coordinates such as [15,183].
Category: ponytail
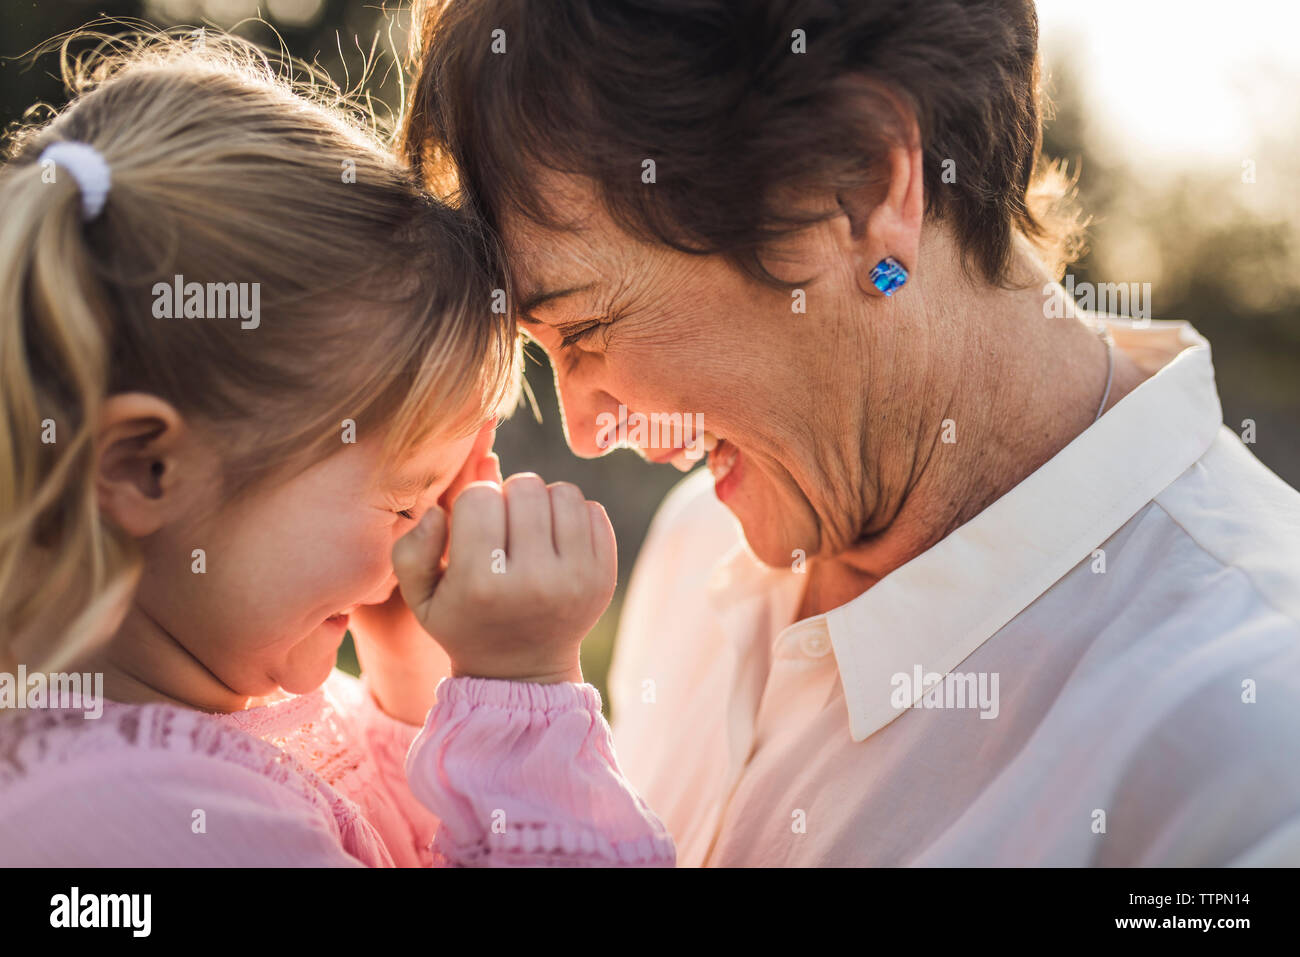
[376,304]
[62,571]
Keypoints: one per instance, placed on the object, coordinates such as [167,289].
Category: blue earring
[888,274]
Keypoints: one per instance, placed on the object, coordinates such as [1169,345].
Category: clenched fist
[529,570]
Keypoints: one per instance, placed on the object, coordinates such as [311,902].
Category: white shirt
[1136,599]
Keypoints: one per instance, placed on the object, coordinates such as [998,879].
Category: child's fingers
[417,557]
[478,526]
[483,441]
[472,470]
[570,525]
[528,520]
[489,469]
[603,541]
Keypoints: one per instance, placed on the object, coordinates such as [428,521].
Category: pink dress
[502,774]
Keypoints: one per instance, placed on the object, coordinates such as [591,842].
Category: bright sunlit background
[1178,82]
[1180,117]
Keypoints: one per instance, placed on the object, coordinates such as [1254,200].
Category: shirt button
[815,643]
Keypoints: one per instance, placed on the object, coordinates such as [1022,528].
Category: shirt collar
[935,610]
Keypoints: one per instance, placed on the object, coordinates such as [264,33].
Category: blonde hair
[377,304]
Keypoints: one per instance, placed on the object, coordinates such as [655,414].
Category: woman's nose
[583,414]
[582,400]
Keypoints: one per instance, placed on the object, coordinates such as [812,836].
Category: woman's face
[659,332]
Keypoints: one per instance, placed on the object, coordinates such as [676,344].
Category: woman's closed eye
[572,335]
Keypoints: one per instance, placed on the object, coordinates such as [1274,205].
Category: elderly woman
[972,578]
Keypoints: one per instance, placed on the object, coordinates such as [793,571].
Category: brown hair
[712,90]
[376,303]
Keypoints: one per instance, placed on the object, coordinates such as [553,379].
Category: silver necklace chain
[1107,338]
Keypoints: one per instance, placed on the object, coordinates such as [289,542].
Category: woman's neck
[1016,387]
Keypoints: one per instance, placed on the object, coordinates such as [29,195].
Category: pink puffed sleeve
[524,774]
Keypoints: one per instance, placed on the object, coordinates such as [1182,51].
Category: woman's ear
[887,224]
[138,445]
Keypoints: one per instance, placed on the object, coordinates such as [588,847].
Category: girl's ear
[138,446]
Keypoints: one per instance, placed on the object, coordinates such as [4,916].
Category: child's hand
[530,569]
[401,664]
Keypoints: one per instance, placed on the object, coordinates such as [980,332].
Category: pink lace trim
[522,843]
[61,737]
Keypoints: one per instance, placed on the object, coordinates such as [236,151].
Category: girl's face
[258,592]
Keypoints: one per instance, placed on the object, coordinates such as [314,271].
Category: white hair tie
[88,167]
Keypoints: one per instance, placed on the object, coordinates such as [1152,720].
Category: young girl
[245,366]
